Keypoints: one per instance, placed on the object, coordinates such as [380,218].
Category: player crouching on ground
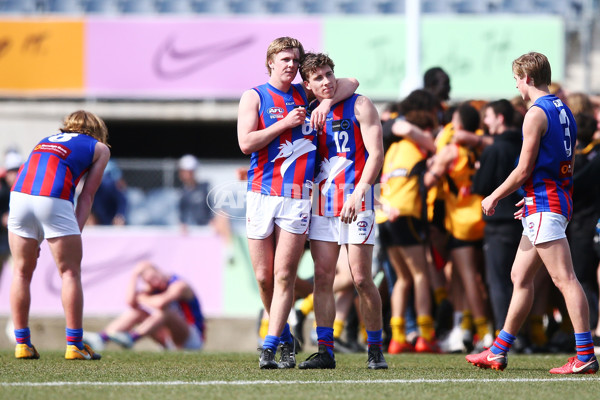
[166,309]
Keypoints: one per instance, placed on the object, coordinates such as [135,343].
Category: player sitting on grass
[165,309]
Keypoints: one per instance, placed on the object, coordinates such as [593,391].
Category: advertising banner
[41,56]
[185,58]
[218,58]
[476,52]
[109,257]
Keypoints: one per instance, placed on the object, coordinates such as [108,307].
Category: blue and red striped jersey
[56,165]
[550,186]
[341,158]
[285,167]
[190,309]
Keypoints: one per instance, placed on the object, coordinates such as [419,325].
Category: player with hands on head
[162,306]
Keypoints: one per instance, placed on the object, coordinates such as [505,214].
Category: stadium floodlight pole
[412,80]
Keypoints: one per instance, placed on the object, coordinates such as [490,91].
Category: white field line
[296,382]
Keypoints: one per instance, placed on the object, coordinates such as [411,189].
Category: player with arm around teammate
[272,128]
[42,207]
[350,156]
[545,171]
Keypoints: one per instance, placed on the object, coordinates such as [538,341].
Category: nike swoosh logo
[496,357]
[85,355]
[579,369]
[171,62]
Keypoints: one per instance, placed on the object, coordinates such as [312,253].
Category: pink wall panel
[185,58]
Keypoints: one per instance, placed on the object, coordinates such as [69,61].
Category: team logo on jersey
[340,125]
[330,168]
[56,149]
[566,170]
[304,218]
[275,112]
[291,151]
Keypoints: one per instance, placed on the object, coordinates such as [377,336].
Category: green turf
[154,375]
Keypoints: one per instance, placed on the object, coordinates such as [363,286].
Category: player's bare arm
[250,138]
[176,291]
[440,164]
[534,126]
[345,87]
[405,129]
[372,135]
[92,182]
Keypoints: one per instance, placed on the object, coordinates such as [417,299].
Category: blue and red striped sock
[325,337]
[75,337]
[585,346]
[23,336]
[503,342]
[374,338]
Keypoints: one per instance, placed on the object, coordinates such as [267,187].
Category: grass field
[166,375]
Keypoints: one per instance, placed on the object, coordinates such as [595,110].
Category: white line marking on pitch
[267,382]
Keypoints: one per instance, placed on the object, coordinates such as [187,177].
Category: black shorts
[404,231]
[439,215]
[454,243]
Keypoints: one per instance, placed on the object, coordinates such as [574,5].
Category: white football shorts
[262,212]
[331,229]
[544,227]
[39,217]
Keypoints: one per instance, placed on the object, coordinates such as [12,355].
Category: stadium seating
[101,6]
[174,6]
[210,6]
[568,9]
[138,6]
[16,6]
[65,6]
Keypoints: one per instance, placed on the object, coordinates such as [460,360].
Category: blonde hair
[280,44]
[88,123]
[580,103]
[535,65]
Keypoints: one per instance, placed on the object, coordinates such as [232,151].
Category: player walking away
[271,127]
[41,207]
[350,155]
[545,170]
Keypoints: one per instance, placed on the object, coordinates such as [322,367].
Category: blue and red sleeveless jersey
[285,167]
[56,165]
[341,158]
[190,309]
[550,186]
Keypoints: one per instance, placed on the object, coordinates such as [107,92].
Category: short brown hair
[535,65]
[312,61]
[280,44]
[87,123]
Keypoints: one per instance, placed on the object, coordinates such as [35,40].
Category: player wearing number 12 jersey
[545,170]
[350,155]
